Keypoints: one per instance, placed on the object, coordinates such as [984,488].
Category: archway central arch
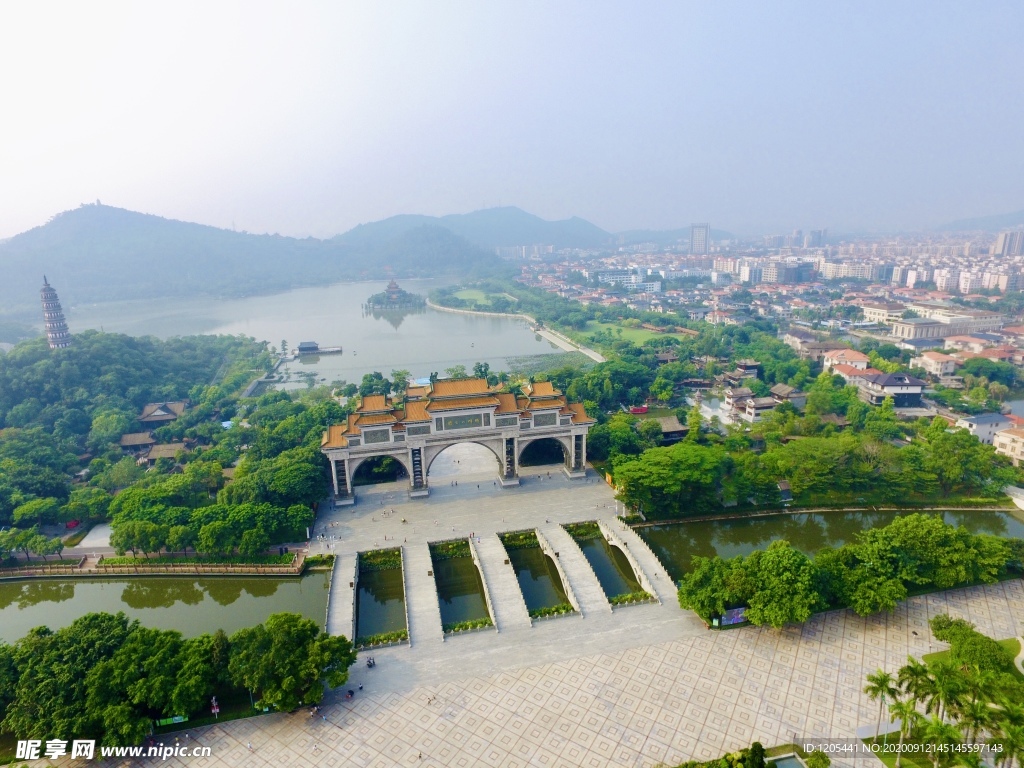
[477,449]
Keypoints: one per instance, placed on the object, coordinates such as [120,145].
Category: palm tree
[949,689]
[916,679]
[882,688]
[904,710]
[1012,742]
[940,733]
[976,716]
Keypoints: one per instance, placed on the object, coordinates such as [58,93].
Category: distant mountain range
[98,253]
[995,223]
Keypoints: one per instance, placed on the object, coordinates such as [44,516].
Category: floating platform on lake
[312,348]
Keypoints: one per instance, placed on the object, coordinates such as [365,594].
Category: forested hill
[98,253]
[491,228]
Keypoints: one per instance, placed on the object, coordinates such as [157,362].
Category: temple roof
[422,401]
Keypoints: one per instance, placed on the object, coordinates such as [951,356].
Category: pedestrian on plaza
[248,745]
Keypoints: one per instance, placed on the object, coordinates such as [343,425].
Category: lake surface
[421,341]
[380,602]
[460,591]
[191,606]
[610,566]
[538,578]
[677,544]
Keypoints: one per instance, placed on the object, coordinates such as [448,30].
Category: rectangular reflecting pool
[538,578]
[460,590]
[190,605]
[611,567]
[380,600]
[678,543]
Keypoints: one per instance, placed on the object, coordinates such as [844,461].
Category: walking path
[1019,661]
[509,608]
[577,568]
[341,619]
[421,598]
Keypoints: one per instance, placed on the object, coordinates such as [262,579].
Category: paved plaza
[637,686]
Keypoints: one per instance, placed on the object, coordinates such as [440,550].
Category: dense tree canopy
[107,678]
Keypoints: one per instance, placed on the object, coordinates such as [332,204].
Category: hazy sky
[309,118]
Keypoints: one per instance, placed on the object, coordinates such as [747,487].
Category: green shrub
[380,560]
[554,610]
[639,596]
[465,626]
[449,550]
[383,638]
[202,560]
[968,648]
[631,519]
[583,531]
[519,540]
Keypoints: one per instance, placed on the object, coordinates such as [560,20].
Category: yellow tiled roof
[334,437]
[374,403]
[456,387]
[551,402]
[507,403]
[416,411]
[579,414]
[415,392]
[540,389]
[369,419]
[462,402]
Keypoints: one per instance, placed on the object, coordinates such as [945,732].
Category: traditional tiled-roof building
[414,429]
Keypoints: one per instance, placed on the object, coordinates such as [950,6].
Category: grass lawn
[1012,646]
[910,759]
[472,294]
[847,498]
[636,335]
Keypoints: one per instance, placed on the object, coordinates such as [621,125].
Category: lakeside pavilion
[416,428]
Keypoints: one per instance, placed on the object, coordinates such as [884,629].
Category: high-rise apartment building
[1009,244]
[700,238]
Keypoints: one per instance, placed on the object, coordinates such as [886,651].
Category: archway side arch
[565,442]
[401,457]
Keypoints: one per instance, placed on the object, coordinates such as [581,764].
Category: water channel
[191,606]
[611,567]
[460,590]
[677,544]
[419,341]
[538,578]
[380,602]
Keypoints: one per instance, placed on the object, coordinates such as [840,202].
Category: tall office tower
[815,238]
[1009,244]
[700,238]
[57,332]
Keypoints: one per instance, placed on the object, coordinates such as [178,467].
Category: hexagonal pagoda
[417,427]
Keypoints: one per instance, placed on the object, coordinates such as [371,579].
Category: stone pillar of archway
[509,474]
[341,476]
[575,452]
[418,487]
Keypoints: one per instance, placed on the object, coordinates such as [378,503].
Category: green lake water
[191,606]
[538,578]
[611,567]
[460,591]
[380,602]
[677,544]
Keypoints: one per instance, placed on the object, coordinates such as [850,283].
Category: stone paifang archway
[416,428]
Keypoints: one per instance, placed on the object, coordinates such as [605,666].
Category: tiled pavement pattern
[644,685]
[696,697]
